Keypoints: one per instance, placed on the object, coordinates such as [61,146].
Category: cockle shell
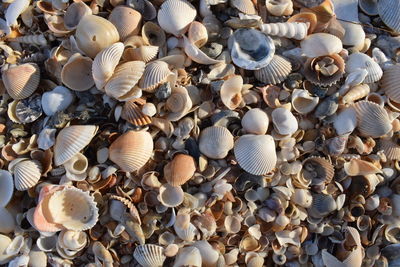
[275,72]
[284,121]
[131,150]
[280,7]
[256,153]
[389,12]
[197,34]
[356,167]
[195,54]
[71,140]
[6,187]
[132,112]
[345,122]
[170,196]
[56,100]
[152,34]
[188,256]
[292,30]
[372,119]
[127,21]
[26,174]
[255,121]
[317,170]
[390,148]
[21,81]
[144,53]
[174,16]
[178,103]
[155,73]
[322,205]
[75,12]
[231,92]
[244,6]
[325,70]
[76,74]
[390,83]
[363,61]
[95,33]
[14,10]
[149,255]
[320,44]
[179,170]
[303,102]
[215,142]
[355,93]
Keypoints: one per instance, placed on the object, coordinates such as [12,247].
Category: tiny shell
[76,74]
[231,94]
[389,12]
[197,34]
[320,44]
[75,12]
[303,102]
[30,39]
[27,174]
[21,81]
[345,122]
[127,21]
[56,100]
[179,170]
[284,121]
[244,6]
[362,61]
[170,196]
[155,73]
[188,256]
[275,72]
[292,30]
[6,187]
[255,121]
[149,255]
[279,8]
[152,34]
[390,83]
[215,142]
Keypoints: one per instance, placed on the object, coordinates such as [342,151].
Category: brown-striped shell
[127,21]
[275,72]
[77,73]
[132,112]
[21,81]
[318,170]
[179,170]
[325,70]
[215,142]
[155,73]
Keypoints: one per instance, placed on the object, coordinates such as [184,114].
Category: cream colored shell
[321,44]
[215,142]
[155,73]
[292,30]
[149,255]
[390,83]
[255,121]
[174,16]
[27,174]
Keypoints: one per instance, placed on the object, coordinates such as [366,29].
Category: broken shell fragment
[77,73]
[59,99]
[285,123]
[6,187]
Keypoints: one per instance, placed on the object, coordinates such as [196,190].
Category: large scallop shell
[390,83]
[292,30]
[325,70]
[71,140]
[27,174]
[373,120]
[21,81]
[155,73]
[321,44]
[285,123]
[132,112]
[303,102]
[389,11]
[149,255]
[362,61]
[231,92]
[131,150]
[76,74]
[75,12]
[6,187]
[126,20]
[215,142]
[179,170]
[174,16]
[390,148]
[244,6]
[255,121]
[275,72]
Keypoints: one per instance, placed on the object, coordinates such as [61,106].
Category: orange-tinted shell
[21,81]
[133,113]
[179,170]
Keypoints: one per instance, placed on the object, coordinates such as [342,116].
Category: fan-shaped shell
[153,35]
[170,196]
[144,53]
[21,81]
[231,92]
[244,6]
[275,72]
[292,30]
[188,256]
[325,70]
[197,34]
[126,20]
[75,12]
[179,170]
[174,16]
[131,150]
[256,153]
[306,17]
[389,11]
[76,74]
[345,122]
[362,61]
[322,205]
[215,142]
[132,112]
[27,174]
[6,187]
[95,33]
[105,63]
[390,82]
[321,44]
[255,121]
[279,8]
[178,103]
[303,102]
[372,119]
[71,140]
[155,73]
[284,121]
[317,170]
[390,148]
[149,255]
[56,100]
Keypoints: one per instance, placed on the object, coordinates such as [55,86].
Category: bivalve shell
[21,81]
[195,54]
[317,170]
[244,6]
[390,148]
[215,142]
[369,7]
[155,73]
[255,121]
[170,196]
[390,83]
[231,92]
[76,74]
[303,102]
[275,72]
[346,121]
[197,34]
[178,103]
[188,256]
[322,205]
[149,255]
[179,170]
[325,70]
[132,112]
[279,8]
[56,100]
[6,187]
[26,174]
[126,20]
[152,34]
[75,12]
[389,11]
[362,61]
[284,121]
[321,44]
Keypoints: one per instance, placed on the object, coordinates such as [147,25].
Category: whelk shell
[26,174]
[390,83]
[215,142]
[127,21]
[197,34]
[77,73]
[155,73]
[389,12]
[244,6]
[75,12]
[21,81]
[303,102]
[6,187]
[325,70]
[255,121]
[179,170]
[170,196]
[362,61]
[231,92]
[275,72]
[320,44]
[284,121]
[306,17]
[280,7]
[56,100]
[149,255]
[293,30]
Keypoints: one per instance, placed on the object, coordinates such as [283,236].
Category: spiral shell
[321,44]
[390,148]
[292,30]
[275,72]
[179,170]
[26,174]
[255,121]
[231,92]
[355,93]
[390,83]
[362,61]
[149,255]
[325,70]
[244,6]
[75,12]
[21,81]
[132,113]
[279,8]
[215,142]
[155,73]
[126,20]
[178,103]
[30,39]
[306,17]
[197,34]
[389,12]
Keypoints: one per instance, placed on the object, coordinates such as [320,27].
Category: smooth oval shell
[6,187]
[149,255]
[127,21]
[197,34]
[231,92]
[21,81]
[275,72]
[255,121]
[59,99]
[208,254]
[389,11]
[155,73]
[390,82]
[77,73]
[170,196]
[215,142]
[345,122]
[303,102]
[256,153]
[284,121]
[131,150]
[27,174]
[321,44]
[362,61]
[75,12]
[355,93]
[179,170]
[7,221]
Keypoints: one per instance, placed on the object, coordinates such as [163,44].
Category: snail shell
[292,30]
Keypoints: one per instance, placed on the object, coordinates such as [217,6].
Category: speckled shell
[255,121]
[27,174]
[390,148]
[149,255]
[231,92]
[292,30]
[389,11]
[77,73]
[155,73]
[132,113]
[244,6]
[174,16]
[215,142]
[321,44]
[179,170]
[275,72]
[126,20]
[363,61]
[318,78]
[390,83]
[21,81]
[256,153]
[132,150]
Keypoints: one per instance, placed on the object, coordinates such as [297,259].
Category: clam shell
[76,74]
[303,102]
[318,170]
[153,35]
[345,122]
[179,170]
[149,255]
[127,21]
[75,12]
[372,119]
[292,30]
[21,81]
[6,187]
[320,44]
[178,103]
[362,61]
[195,54]
[170,196]
[215,142]
[318,77]
[132,113]
[389,12]
[27,174]
[155,73]
[256,153]
[390,148]
[197,34]
[231,92]
[255,121]
[174,16]
[390,82]
[322,205]
[284,121]
[131,150]
[71,140]
[354,34]
[188,256]
[355,93]
[244,6]
[275,72]
[59,99]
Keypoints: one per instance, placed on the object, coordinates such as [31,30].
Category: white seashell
[321,44]
[390,83]
[72,240]
[345,122]
[5,241]
[149,255]
[170,196]
[144,53]
[75,12]
[6,187]
[7,222]
[16,245]
[188,256]
[231,92]
[76,167]
[389,12]
[185,232]
[215,142]
[291,30]
[149,109]
[303,102]
[275,72]
[390,148]
[127,21]
[356,167]
[30,39]
[208,254]
[21,81]
[174,16]
[27,174]
[302,197]
[362,61]
[195,54]
[37,258]
[255,121]
[4,28]
[346,10]
[15,9]
[47,138]
[197,34]
[354,34]
[256,153]
[155,73]
[244,6]
[279,8]
[284,121]
[56,100]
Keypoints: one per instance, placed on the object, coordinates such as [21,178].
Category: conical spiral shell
[215,142]
[390,83]
[390,148]
[126,20]
[293,30]
[27,174]
[275,72]
[132,150]
[244,6]
[256,153]
[132,113]
[179,170]
[389,11]
[71,140]
[21,81]
[155,73]
[174,16]
[30,39]
[149,255]
[362,61]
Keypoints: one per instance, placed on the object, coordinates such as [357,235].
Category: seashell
[291,30]
[317,170]
[355,93]
[244,6]
[279,8]
[275,72]
[256,153]
[322,205]
[232,224]
[59,99]
[73,208]
[127,21]
[369,7]
[132,113]
[121,85]
[301,197]
[105,63]
[208,254]
[356,167]
[321,44]
[101,253]
[71,140]
[72,240]
[197,34]
[21,81]
[155,73]
[306,17]
[27,174]
[251,49]
[15,9]
[255,121]
[170,196]
[303,102]
[215,142]
[390,148]
[390,83]
[142,53]
[230,92]
[362,61]
[77,73]
[149,255]
[195,54]
[76,167]
[37,257]
[391,233]
[149,109]
[284,121]
[389,12]
[5,241]
[131,150]
[174,16]
[179,170]
[95,33]
[325,70]
[188,256]
[345,122]
[372,119]
[30,39]
[6,187]
[75,12]
[178,103]
[152,34]
[7,221]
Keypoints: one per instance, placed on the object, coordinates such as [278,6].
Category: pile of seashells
[200,133]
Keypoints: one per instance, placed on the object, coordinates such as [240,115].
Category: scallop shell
[275,72]
[6,187]
[355,93]
[75,12]
[179,170]
[14,10]
[317,170]
[390,83]
[369,7]
[76,74]
[279,8]
[188,256]
[131,150]
[327,74]
[170,196]
[197,34]
[21,81]
[345,122]
[59,99]
[322,205]
[195,54]
[390,148]
[303,102]
[291,30]
[255,121]
[143,53]
[95,33]
[356,167]
[372,119]
[256,153]
[231,92]
[215,142]
[71,140]
[27,174]
[174,16]
[153,35]
[362,61]
[389,12]
[155,73]
[244,6]
[149,255]
[127,21]
[132,113]
[105,63]
[284,121]
[178,103]
[321,44]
